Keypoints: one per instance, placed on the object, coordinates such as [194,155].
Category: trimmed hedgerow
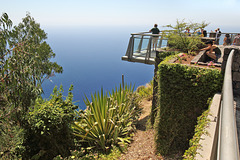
[163,55]
[200,130]
[160,56]
[184,92]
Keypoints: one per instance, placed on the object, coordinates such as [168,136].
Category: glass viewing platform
[140,47]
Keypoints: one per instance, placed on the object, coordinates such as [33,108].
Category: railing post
[232,38]
[132,49]
[160,42]
[129,52]
[140,45]
[149,50]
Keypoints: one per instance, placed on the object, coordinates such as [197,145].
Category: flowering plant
[211,64]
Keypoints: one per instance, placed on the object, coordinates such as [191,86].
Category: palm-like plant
[109,118]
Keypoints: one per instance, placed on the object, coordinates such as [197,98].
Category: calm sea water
[91,60]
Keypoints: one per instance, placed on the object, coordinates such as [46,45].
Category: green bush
[163,55]
[11,138]
[109,119]
[49,132]
[115,154]
[76,155]
[146,91]
[183,92]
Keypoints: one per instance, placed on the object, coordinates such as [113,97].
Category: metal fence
[221,36]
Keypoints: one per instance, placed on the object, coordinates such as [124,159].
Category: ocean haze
[91,60]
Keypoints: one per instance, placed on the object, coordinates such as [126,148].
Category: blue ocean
[91,60]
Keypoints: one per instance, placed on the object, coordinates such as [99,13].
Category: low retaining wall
[208,141]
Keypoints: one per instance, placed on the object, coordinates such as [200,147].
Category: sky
[58,13]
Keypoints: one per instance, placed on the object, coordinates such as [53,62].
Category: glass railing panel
[140,46]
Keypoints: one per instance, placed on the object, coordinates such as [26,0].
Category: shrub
[109,120]
[76,155]
[49,123]
[11,138]
[162,55]
[146,91]
[183,92]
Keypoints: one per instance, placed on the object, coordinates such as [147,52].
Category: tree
[24,65]
[185,42]
[25,61]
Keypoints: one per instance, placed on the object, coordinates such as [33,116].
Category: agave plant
[109,119]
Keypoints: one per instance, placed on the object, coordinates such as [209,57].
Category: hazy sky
[52,13]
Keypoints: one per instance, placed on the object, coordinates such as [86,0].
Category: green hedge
[200,129]
[184,92]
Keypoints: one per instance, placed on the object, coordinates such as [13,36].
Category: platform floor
[141,57]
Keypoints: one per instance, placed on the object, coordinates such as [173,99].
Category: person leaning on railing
[236,40]
[212,52]
[227,40]
[155,30]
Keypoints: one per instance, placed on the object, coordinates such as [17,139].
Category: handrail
[149,33]
[144,34]
[228,142]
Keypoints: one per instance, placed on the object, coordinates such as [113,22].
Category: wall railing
[227,140]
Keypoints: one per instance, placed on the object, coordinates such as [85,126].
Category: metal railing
[228,142]
[220,37]
[140,45]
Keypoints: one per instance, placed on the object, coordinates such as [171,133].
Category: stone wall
[235,67]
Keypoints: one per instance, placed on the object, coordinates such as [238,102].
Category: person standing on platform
[218,34]
[204,33]
[199,33]
[155,30]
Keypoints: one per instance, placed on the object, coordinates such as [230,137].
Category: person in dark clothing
[218,34]
[204,32]
[227,40]
[213,53]
[155,30]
